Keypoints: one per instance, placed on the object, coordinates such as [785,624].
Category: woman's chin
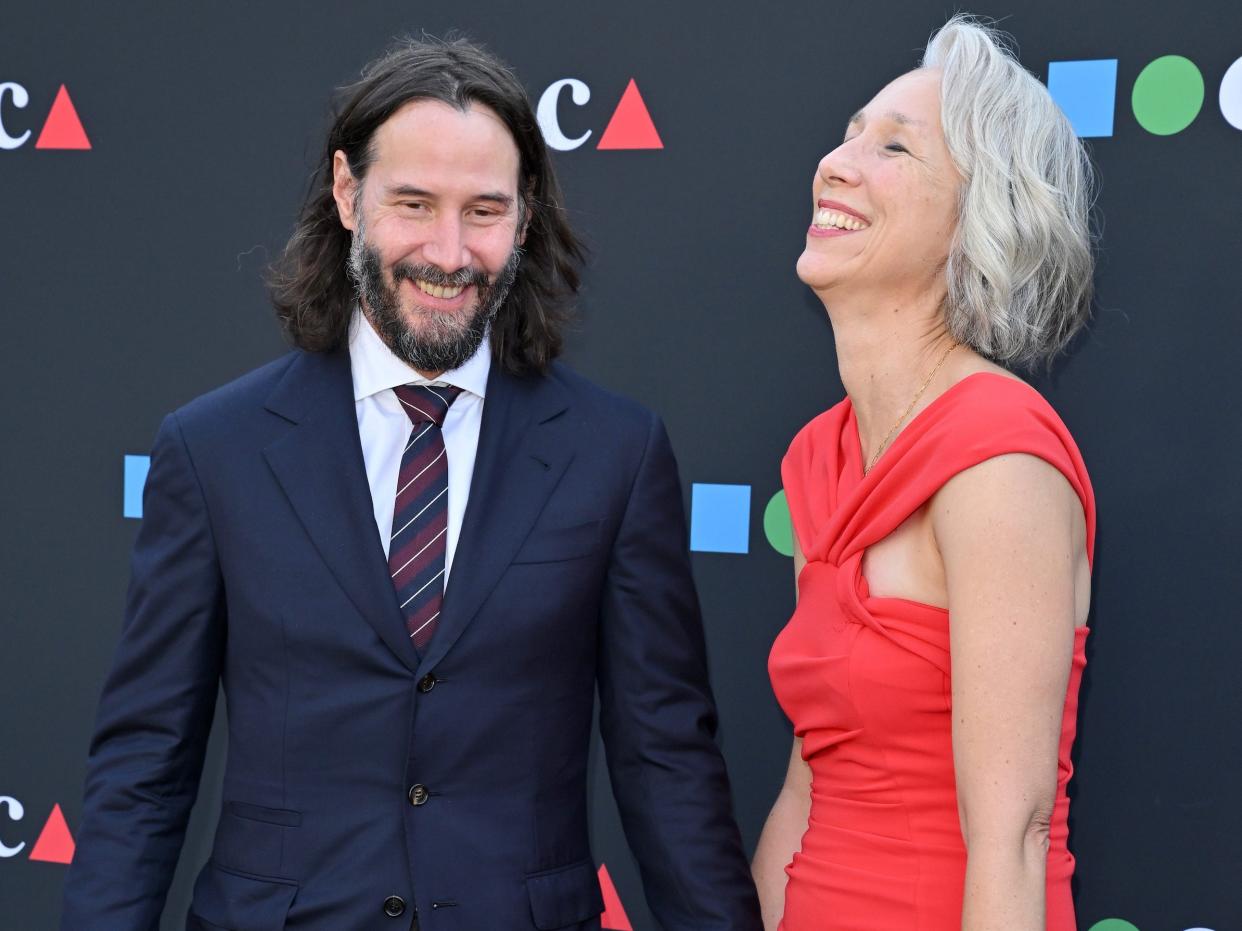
[813,272]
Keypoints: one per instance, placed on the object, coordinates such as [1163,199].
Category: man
[411,551]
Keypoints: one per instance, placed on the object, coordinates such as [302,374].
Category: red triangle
[614,917]
[630,126]
[63,129]
[55,843]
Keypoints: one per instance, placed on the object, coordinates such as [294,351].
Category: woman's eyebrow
[901,119]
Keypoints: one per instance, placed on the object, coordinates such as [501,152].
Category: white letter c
[546,113]
[20,99]
[16,812]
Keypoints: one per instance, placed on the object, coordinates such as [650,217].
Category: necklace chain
[906,413]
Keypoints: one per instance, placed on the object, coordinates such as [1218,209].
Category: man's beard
[441,341]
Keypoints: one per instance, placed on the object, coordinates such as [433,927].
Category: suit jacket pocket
[283,816]
[253,838]
[565,897]
[228,901]
[556,544]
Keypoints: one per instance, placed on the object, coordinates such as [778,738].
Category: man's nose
[446,246]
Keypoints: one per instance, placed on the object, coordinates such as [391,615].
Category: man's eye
[895,147]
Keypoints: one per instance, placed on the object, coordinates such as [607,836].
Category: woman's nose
[838,166]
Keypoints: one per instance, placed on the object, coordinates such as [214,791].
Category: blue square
[136,468]
[1086,91]
[720,518]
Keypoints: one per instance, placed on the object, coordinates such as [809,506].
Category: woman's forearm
[780,840]
[1005,887]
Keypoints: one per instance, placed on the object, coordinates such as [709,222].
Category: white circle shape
[1231,107]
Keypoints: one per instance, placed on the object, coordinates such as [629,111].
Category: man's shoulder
[597,401]
[246,392]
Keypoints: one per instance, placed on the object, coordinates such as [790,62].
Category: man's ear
[344,190]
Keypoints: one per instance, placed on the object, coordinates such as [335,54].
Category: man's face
[436,227]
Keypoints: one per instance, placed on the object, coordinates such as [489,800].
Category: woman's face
[885,200]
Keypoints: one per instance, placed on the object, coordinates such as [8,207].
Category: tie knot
[426,403]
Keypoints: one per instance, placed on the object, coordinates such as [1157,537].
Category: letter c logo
[20,99]
[546,113]
[16,811]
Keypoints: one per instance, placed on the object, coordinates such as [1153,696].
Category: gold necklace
[906,413]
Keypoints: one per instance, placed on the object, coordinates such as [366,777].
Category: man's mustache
[463,277]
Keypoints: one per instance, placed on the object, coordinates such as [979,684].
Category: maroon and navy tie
[420,518]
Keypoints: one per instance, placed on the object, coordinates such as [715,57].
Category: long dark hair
[310,285]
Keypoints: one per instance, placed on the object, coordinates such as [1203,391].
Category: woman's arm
[782,832]
[781,838]
[1010,534]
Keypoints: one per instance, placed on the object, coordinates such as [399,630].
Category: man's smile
[435,290]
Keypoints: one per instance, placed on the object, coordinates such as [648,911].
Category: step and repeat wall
[152,158]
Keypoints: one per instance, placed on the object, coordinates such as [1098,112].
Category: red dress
[865,680]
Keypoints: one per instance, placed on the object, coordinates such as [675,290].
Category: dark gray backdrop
[130,282]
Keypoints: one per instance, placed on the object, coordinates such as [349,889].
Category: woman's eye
[895,147]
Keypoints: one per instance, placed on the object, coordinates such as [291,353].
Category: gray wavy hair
[1020,264]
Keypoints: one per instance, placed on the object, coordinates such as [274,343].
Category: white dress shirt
[385,429]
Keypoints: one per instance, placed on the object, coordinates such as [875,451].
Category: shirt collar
[376,368]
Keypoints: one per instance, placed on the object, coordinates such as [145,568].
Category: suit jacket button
[394,906]
[419,794]
[427,683]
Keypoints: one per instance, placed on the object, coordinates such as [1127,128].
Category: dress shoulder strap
[983,416]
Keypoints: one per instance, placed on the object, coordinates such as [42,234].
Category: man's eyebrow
[496,197]
[409,190]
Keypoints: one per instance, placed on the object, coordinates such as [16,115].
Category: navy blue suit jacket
[258,566]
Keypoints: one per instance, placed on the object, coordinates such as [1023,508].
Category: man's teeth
[830,218]
[436,290]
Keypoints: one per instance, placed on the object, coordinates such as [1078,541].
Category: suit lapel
[320,467]
[521,456]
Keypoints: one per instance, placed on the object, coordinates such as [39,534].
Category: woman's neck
[886,349]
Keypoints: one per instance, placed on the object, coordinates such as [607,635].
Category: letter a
[63,129]
[630,126]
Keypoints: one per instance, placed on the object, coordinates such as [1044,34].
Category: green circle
[1113,924]
[1168,95]
[777,526]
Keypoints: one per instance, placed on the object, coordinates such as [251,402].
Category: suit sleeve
[658,717]
[155,712]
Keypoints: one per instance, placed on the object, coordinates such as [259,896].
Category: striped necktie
[420,518]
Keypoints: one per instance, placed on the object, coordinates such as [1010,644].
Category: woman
[942,514]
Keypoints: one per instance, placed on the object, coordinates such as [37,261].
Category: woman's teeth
[826,219]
